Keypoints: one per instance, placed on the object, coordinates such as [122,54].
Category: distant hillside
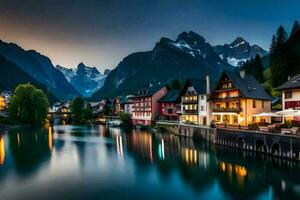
[40,68]
[188,56]
[11,75]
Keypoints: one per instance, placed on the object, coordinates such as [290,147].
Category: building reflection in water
[234,173]
[50,142]
[140,143]
[119,143]
[2,150]
[161,150]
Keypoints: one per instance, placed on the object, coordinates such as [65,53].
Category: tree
[257,69]
[281,35]
[273,44]
[77,108]
[295,29]
[175,84]
[88,112]
[125,118]
[279,59]
[28,104]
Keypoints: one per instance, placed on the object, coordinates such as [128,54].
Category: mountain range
[239,51]
[40,68]
[86,80]
[189,56]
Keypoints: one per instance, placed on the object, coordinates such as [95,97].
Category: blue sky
[101,33]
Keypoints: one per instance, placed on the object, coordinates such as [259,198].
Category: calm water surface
[93,162]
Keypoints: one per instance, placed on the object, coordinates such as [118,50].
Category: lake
[95,162]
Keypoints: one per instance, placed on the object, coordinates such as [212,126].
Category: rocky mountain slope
[238,51]
[188,56]
[40,68]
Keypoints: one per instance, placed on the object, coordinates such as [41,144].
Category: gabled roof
[294,83]
[148,91]
[199,85]
[171,96]
[248,86]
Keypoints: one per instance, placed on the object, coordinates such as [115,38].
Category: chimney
[289,78]
[242,73]
[207,83]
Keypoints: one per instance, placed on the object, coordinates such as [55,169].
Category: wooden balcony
[193,112]
[226,98]
[233,110]
[189,101]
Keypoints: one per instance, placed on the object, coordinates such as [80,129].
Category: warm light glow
[223,166]
[2,150]
[50,137]
[240,170]
[18,139]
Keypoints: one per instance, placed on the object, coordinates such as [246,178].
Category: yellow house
[2,103]
[237,97]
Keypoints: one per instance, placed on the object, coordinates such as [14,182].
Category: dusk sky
[101,33]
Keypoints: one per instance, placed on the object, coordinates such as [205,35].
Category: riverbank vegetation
[28,105]
[282,62]
[81,111]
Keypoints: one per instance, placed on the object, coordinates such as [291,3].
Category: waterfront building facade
[128,105]
[195,108]
[291,95]
[2,103]
[170,106]
[237,97]
[145,106]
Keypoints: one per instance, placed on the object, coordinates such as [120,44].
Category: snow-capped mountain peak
[238,51]
[84,79]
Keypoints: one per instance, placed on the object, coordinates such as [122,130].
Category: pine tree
[295,29]
[279,59]
[273,44]
[281,35]
[257,69]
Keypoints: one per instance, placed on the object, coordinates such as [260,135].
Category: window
[202,97]
[288,95]
[254,103]
[202,108]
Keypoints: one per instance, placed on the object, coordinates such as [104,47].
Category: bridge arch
[241,143]
[276,149]
[260,146]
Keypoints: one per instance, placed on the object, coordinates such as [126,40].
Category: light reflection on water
[78,162]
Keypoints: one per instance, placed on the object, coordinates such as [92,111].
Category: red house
[170,106]
[145,106]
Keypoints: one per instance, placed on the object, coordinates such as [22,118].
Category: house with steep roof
[237,97]
[170,106]
[195,108]
[145,106]
[291,95]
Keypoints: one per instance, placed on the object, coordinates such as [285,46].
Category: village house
[194,106]
[145,106]
[291,95]
[128,105]
[237,97]
[170,106]
[2,103]
[5,97]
